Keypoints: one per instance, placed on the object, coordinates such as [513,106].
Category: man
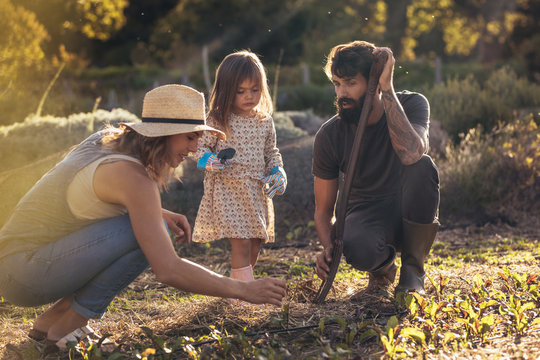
[394,198]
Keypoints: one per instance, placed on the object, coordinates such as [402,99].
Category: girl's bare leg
[240,253]
[255,249]
[244,256]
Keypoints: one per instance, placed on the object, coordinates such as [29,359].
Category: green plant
[301,97]
[456,105]
[389,338]
[464,104]
[299,231]
[492,170]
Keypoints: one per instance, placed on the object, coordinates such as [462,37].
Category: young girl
[237,193]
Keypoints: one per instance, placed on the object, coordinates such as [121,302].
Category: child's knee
[241,246]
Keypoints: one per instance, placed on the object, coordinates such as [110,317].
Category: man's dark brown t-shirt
[378,168]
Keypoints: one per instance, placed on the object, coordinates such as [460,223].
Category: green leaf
[321,325]
[392,323]
[488,303]
[535,324]
[341,322]
[449,336]
[367,335]
[415,334]
[488,320]
[527,306]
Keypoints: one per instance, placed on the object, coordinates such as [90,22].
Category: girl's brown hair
[233,70]
[151,151]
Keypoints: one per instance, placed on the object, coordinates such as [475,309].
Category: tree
[525,39]
[464,26]
[72,23]
[396,23]
[20,43]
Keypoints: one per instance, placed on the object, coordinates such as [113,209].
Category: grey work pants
[372,225]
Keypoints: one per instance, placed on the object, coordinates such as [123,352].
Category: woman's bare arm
[127,183]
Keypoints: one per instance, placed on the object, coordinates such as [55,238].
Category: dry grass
[172,314]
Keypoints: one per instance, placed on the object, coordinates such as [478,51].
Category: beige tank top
[82,199]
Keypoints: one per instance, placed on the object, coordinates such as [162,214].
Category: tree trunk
[396,23]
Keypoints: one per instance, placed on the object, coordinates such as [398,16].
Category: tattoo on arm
[408,143]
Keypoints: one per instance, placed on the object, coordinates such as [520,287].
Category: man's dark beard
[350,115]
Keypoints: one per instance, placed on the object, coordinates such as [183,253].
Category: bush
[20,45]
[493,173]
[504,92]
[320,99]
[461,105]
[456,104]
[285,128]
[306,120]
[38,137]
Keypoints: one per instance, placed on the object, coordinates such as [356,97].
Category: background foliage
[476,61]
[164,40]
[68,67]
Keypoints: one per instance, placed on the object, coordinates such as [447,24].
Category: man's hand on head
[386,79]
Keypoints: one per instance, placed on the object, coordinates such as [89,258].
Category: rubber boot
[245,274]
[417,242]
[380,279]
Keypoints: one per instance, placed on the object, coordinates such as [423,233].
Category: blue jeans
[91,266]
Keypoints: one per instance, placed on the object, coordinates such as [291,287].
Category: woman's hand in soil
[178,225]
[267,290]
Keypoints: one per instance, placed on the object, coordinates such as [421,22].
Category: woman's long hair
[233,70]
[151,151]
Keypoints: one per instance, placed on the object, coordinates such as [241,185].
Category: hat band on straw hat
[173,121]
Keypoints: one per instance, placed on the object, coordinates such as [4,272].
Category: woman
[92,224]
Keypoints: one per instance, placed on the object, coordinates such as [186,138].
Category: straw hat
[172,109]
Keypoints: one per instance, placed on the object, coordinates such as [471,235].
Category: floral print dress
[234,204]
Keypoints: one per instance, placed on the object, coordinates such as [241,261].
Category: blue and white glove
[210,162]
[276,182]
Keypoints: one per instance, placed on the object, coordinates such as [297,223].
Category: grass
[482,301]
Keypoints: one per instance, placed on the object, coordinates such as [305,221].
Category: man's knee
[421,171]
[364,253]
